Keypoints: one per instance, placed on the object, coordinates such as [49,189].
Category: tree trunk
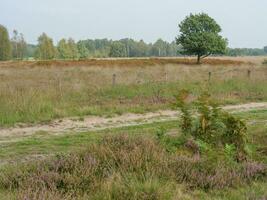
[198,59]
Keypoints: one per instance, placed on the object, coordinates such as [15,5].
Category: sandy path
[99,123]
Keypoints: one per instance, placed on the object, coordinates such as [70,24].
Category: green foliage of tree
[200,36]
[45,48]
[160,48]
[5,44]
[67,49]
[30,50]
[245,52]
[97,48]
[83,51]
[63,49]
[117,49]
[19,45]
[101,48]
[265,49]
[73,49]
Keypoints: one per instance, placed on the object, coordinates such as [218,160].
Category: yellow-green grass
[32,93]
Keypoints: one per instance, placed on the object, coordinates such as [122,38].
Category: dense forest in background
[16,48]
[101,48]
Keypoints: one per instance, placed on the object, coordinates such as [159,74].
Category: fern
[212,126]
[230,151]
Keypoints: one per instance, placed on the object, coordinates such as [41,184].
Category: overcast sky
[244,22]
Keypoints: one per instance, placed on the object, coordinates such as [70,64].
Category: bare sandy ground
[72,125]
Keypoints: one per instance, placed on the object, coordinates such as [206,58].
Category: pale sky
[244,22]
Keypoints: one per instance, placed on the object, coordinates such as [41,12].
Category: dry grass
[141,62]
[40,91]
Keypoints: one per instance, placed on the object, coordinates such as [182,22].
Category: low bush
[209,126]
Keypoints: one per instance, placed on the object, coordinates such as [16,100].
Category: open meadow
[44,90]
[109,129]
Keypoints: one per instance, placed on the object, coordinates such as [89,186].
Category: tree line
[247,51]
[16,48]
[67,49]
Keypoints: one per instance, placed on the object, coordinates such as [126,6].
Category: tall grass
[40,93]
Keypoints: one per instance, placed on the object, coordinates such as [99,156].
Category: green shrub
[186,116]
[210,125]
[230,151]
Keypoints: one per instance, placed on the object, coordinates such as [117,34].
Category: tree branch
[206,55]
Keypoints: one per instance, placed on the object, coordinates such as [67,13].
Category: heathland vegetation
[203,151]
[154,161]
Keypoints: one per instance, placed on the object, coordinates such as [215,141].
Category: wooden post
[166,77]
[209,76]
[114,80]
[248,73]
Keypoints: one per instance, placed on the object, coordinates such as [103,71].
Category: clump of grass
[264,62]
[124,167]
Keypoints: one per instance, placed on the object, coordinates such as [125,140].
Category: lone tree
[5,45]
[200,36]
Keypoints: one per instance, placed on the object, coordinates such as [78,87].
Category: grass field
[151,160]
[40,91]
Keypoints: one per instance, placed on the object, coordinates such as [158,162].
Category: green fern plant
[230,151]
[186,115]
[160,133]
[211,125]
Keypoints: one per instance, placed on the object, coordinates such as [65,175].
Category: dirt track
[99,123]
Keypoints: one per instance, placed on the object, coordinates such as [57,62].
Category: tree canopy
[45,48]
[118,49]
[19,45]
[200,36]
[83,51]
[5,45]
[67,49]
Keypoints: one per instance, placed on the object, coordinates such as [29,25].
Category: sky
[244,22]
